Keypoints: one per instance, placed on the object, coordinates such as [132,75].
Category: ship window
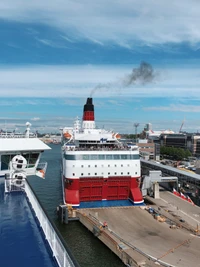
[81,166]
[101,156]
[95,166]
[128,165]
[70,157]
[116,156]
[121,172]
[82,174]
[123,156]
[85,157]
[102,165]
[115,165]
[121,165]
[108,165]
[94,157]
[88,173]
[108,156]
[135,156]
[95,173]
[115,173]
[73,165]
[32,159]
[5,159]
[135,172]
[73,174]
[108,173]
[128,172]
[89,166]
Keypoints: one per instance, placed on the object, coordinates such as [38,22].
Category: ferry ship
[96,165]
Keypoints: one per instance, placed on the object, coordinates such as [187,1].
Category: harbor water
[86,248]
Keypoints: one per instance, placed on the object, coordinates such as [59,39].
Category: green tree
[175,153]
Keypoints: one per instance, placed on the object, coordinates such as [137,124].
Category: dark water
[86,248]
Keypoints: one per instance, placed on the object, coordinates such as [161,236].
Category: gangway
[151,182]
[182,176]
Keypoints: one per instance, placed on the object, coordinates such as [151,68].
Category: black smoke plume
[142,75]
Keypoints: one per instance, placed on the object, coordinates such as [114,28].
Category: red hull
[93,189]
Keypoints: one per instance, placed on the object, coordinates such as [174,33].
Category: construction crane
[182,125]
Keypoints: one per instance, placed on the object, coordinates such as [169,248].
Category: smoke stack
[88,110]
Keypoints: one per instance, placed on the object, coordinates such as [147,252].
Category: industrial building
[188,141]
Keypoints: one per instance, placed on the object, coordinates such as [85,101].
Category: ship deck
[21,241]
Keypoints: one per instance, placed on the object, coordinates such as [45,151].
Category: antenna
[136,124]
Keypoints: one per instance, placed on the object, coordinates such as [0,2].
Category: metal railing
[16,135]
[147,256]
[10,187]
[58,249]
[101,148]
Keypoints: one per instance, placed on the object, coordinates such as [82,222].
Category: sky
[55,54]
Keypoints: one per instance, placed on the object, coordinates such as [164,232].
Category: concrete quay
[177,209]
[138,239]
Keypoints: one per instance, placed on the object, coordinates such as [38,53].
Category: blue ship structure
[27,235]
[21,242]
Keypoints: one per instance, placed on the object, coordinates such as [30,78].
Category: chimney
[88,115]
[88,110]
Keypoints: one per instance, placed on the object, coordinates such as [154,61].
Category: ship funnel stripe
[88,106]
[88,110]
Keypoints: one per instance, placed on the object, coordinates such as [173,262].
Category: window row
[101,157]
[115,173]
[97,166]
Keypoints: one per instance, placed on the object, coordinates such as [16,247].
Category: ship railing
[102,149]
[16,135]
[10,186]
[62,256]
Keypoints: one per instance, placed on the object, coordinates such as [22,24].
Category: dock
[138,238]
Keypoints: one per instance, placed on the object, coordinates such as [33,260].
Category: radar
[19,163]
[28,124]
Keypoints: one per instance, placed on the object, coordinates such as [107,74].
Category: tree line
[175,153]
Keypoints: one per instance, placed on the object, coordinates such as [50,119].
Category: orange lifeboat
[67,135]
[118,136]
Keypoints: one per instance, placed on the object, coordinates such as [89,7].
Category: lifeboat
[116,135]
[67,135]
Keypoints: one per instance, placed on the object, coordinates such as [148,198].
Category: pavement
[137,227]
[179,207]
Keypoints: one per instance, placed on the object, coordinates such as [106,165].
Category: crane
[182,125]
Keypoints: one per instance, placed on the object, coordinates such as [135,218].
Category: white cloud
[173,108]
[80,81]
[122,22]
[50,43]
[35,119]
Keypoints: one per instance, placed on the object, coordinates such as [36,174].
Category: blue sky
[54,54]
